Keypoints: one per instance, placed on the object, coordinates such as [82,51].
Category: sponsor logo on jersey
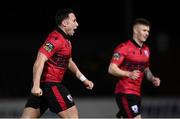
[48,47]
[116,56]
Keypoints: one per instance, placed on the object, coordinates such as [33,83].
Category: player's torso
[60,59]
[57,64]
[136,58]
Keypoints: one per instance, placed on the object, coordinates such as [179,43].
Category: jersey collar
[61,32]
[137,45]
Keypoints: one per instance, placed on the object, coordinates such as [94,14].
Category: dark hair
[62,14]
[142,21]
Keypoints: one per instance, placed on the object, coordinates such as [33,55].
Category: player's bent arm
[148,74]
[38,68]
[74,69]
[116,71]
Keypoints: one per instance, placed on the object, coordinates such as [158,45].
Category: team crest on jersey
[116,56]
[70,98]
[134,108]
[146,53]
[48,47]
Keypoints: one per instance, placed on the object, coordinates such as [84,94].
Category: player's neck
[62,29]
[138,42]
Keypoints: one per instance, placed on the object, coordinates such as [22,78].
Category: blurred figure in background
[130,62]
[53,59]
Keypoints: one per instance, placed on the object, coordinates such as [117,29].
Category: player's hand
[89,84]
[156,81]
[36,91]
[134,74]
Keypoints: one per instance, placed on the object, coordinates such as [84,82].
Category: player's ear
[65,22]
[135,29]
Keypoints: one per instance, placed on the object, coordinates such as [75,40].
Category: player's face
[142,32]
[71,24]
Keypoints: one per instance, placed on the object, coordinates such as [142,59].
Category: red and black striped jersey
[57,49]
[130,56]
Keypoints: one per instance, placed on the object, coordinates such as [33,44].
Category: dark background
[25,25]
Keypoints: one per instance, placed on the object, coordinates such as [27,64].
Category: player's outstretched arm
[75,70]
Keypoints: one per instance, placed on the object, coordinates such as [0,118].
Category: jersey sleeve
[119,54]
[50,46]
[147,52]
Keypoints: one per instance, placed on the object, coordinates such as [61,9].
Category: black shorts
[55,97]
[129,105]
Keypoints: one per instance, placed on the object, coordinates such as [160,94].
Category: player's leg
[30,112]
[71,112]
[129,105]
[137,117]
[34,107]
[60,100]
